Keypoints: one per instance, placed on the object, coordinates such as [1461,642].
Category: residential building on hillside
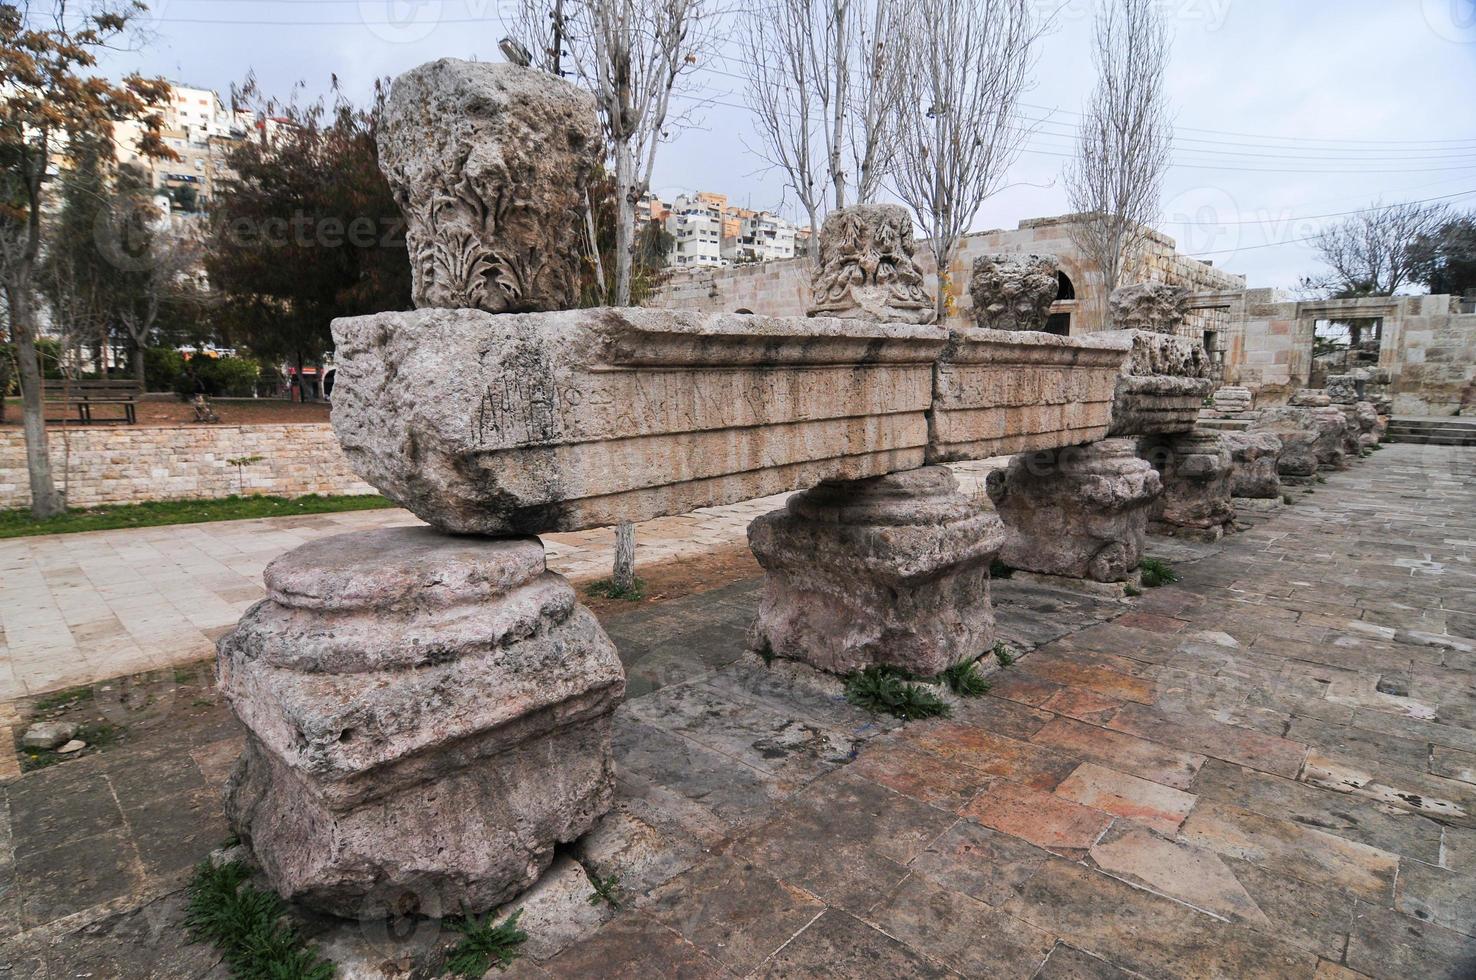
[696,222]
[760,237]
[711,232]
[202,131]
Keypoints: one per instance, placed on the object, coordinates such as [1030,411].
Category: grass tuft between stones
[606,889]
[606,589]
[1156,572]
[484,945]
[965,680]
[1003,654]
[883,690]
[248,926]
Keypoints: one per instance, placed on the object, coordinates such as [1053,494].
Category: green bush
[162,368]
[218,377]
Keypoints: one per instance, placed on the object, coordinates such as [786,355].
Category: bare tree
[787,101]
[964,65]
[821,75]
[1124,141]
[1377,251]
[633,55]
[877,85]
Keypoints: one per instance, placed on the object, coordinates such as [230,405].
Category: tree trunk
[940,299]
[622,577]
[814,239]
[45,501]
[594,246]
[624,222]
[138,366]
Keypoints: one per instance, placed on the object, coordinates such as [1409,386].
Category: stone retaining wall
[136,463]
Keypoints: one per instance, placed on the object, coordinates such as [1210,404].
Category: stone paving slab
[1141,794]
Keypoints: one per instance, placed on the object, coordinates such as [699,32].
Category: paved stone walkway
[1266,770]
[79,608]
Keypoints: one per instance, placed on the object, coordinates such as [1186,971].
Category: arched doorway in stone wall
[1059,320]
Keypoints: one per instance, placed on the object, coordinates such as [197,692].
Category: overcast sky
[1286,111]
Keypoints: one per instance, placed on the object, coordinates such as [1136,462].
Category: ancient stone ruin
[866,269]
[489,166]
[1157,307]
[429,709]
[1013,292]
[428,713]
[1079,512]
[891,570]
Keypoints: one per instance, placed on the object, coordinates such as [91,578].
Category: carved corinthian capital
[866,271]
[489,164]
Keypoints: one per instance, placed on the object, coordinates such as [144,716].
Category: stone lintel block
[423,711]
[524,423]
[1195,467]
[1080,512]
[1003,391]
[892,570]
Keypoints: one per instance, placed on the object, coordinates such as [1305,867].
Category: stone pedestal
[891,570]
[1195,467]
[1363,421]
[1079,512]
[424,713]
[1311,439]
[1255,457]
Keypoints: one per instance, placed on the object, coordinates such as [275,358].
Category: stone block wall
[136,463]
[1427,347]
[783,288]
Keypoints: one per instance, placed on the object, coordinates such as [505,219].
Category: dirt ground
[680,577]
[172,411]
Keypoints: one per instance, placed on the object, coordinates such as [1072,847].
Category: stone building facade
[783,288]
[1426,348]
[133,464]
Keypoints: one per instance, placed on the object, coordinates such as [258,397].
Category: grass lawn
[18,523]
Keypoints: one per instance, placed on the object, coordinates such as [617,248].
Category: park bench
[86,395]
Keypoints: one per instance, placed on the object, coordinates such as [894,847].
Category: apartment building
[760,236]
[696,222]
[709,231]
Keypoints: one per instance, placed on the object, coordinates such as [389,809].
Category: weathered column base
[1255,459]
[891,570]
[426,715]
[1195,467]
[1077,513]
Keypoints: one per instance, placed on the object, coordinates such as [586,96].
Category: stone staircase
[1440,431]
